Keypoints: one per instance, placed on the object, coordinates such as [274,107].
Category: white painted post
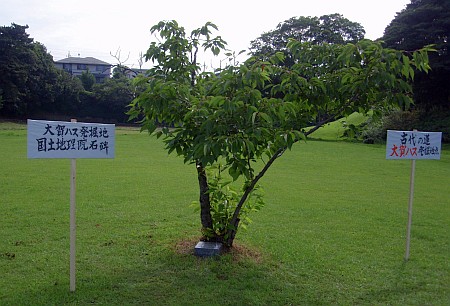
[73,226]
[410,206]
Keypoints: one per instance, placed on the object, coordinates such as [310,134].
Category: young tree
[234,121]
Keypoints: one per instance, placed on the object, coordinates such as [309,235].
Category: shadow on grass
[400,286]
[165,276]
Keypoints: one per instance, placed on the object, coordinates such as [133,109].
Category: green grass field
[332,232]
[335,130]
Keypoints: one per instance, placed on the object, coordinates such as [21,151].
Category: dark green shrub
[375,130]
[435,120]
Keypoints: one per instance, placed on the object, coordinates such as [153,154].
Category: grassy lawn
[332,232]
[334,130]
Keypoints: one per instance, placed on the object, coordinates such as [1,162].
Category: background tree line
[30,85]
[421,23]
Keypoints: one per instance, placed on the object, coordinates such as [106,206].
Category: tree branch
[235,219]
[332,117]
[320,124]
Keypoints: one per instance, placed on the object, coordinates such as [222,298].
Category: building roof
[83,60]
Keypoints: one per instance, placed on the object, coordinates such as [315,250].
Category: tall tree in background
[87,79]
[331,29]
[421,23]
[112,98]
[67,98]
[29,81]
[41,89]
[16,59]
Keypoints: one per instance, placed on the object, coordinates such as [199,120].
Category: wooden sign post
[73,223]
[412,145]
[72,140]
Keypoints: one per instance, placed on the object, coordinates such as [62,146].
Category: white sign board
[60,139]
[413,145]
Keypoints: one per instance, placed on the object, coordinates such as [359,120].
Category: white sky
[99,27]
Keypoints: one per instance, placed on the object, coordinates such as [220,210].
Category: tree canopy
[422,23]
[29,82]
[87,79]
[17,56]
[331,29]
[227,122]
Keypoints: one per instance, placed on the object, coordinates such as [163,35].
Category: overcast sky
[97,28]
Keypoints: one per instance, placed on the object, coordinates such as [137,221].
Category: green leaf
[234,173]
[254,117]
[265,117]
[406,66]
[206,149]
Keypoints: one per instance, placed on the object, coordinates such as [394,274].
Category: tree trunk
[205,207]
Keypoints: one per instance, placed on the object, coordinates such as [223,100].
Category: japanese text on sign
[413,145]
[59,139]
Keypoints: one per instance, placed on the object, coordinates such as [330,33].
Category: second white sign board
[413,145]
